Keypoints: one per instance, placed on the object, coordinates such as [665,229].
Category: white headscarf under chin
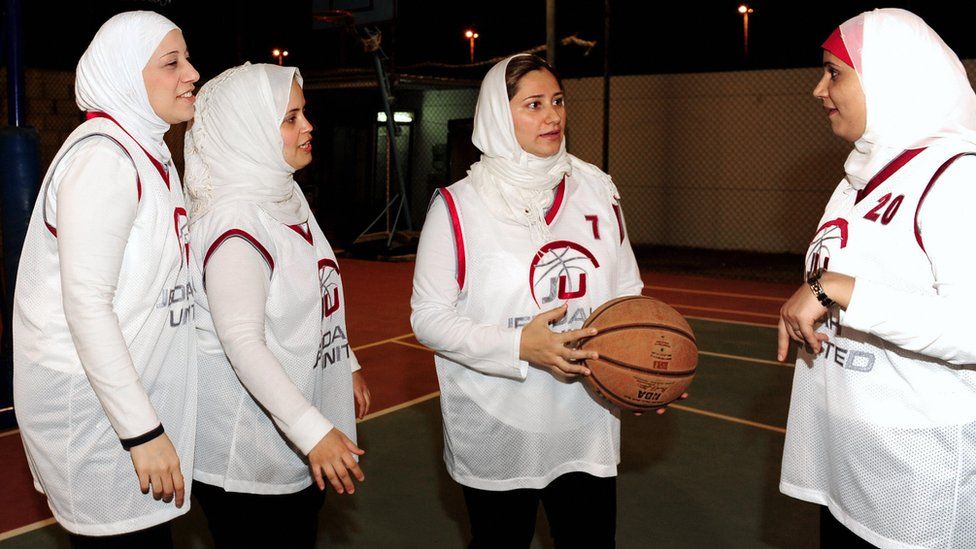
[915,88]
[109,76]
[234,149]
[515,184]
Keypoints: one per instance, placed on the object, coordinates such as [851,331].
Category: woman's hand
[158,465]
[333,456]
[361,391]
[552,350]
[800,315]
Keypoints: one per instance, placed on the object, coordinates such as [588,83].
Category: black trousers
[834,535]
[156,537]
[254,520]
[581,509]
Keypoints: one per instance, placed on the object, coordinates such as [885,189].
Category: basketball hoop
[338,18]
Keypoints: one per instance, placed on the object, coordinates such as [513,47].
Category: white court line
[748,359]
[730,419]
[10,432]
[378,343]
[24,529]
[400,406]
[727,321]
[715,310]
[708,292]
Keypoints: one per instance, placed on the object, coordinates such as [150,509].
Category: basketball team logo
[329,286]
[182,226]
[559,270]
[830,237]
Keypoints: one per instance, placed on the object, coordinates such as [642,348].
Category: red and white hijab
[915,87]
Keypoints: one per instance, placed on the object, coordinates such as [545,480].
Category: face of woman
[539,113]
[169,79]
[843,99]
[296,130]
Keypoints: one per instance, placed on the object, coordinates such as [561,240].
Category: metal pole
[15,69]
[551,32]
[606,86]
[391,132]
[745,34]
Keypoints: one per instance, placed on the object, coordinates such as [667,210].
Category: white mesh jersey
[885,437]
[502,433]
[238,446]
[74,454]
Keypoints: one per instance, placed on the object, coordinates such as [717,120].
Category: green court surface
[705,474]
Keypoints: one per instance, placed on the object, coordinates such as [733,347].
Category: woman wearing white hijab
[277,386]
[882,424]
[532,228]
[103,306]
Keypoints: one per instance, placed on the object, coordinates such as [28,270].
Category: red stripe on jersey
[305,233]
[52,229]
[887,172]
[237,233]
[620,222]
[163,172]
[938,173]
[458,236]
[556,202]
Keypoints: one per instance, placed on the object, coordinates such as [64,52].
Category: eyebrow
[293,110]
[540,96]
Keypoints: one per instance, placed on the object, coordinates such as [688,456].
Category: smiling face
[843,99]
[538,113]
[296,130]
[169,79]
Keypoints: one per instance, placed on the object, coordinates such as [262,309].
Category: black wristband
[129,443]
[819,293]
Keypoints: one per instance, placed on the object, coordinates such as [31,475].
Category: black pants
[156,537]
[581,509]
[834,535]
[252,520]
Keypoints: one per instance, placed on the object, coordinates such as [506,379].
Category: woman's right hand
[554,350]
[333,456]
[158,465]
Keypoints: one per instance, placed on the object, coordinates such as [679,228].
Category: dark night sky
[647,37]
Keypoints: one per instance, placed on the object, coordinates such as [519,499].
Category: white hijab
[234,149]
[515,184]
[109,76]
[915,87]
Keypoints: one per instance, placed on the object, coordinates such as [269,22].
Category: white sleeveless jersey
[74,453]
[239,448]
[501,433]
[883,436]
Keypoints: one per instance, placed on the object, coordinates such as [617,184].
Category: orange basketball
[648,353]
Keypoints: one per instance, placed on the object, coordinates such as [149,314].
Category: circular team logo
[830,238]
[558,272]
[329,286]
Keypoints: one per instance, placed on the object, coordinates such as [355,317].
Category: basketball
[648,353]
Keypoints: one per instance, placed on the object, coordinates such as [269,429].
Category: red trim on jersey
[841,224]
[938,173]
[52,229]
[163,172]
[303,231]
[620,222]
[556,202]
[887,172]
[238,233]
[458,236]
[182,242]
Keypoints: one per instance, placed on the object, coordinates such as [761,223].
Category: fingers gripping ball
[648,353]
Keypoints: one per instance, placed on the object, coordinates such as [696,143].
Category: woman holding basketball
[279,383]
[104,376]
[882,424]
[532,238]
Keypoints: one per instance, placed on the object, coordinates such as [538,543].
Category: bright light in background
[400,117]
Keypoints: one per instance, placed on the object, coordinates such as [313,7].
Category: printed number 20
[889,212]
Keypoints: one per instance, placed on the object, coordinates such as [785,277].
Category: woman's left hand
[361,391]
[800,315]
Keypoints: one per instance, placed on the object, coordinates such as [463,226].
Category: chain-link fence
[718,161]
